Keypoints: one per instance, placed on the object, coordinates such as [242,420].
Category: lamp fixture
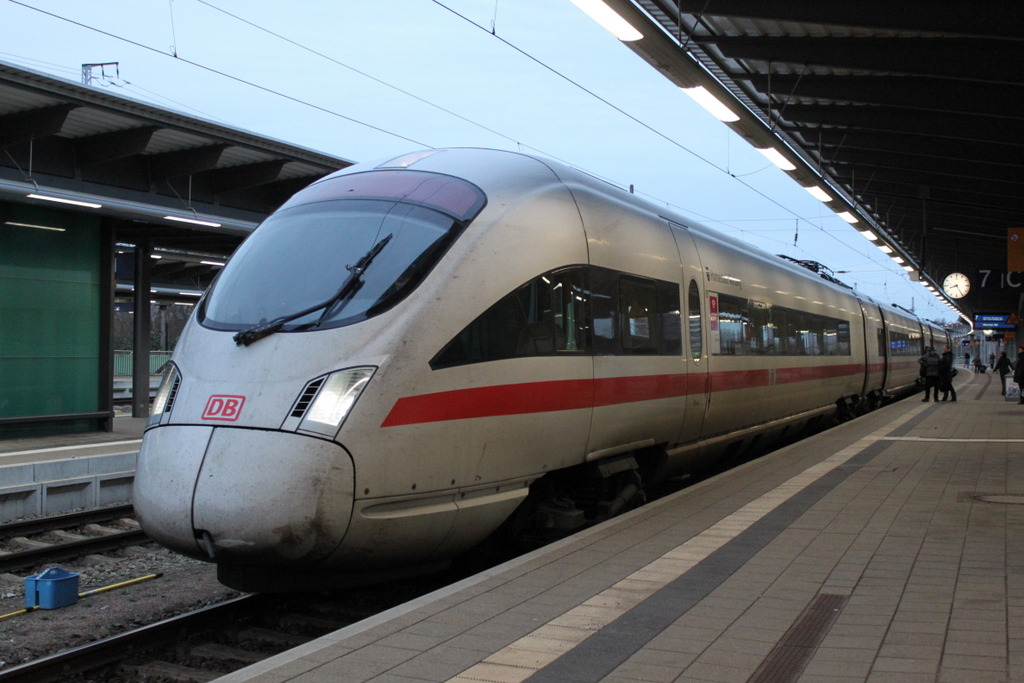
[869,234]
[848,217]
[609,19]
[773,155]
[898,259]
[712,104]
[819,193]
[193,221]
[33,225]
[212,263]
[885,248]
[61,200]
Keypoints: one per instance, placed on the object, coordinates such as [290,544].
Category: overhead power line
[222,73]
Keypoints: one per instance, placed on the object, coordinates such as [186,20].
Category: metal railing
[123,362]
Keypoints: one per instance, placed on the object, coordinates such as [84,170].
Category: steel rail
[114,648]
[70,550]
[44,524]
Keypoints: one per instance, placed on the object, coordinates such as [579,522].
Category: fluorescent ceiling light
[155,256]
[211,263]
[819,193]
[897,259]
[776,158]
[870,235]
[705,99]
[61,200]
[193,221]
[609,19]
[848,217]
[909,269]
[885,248]
[191,293]
[33,225]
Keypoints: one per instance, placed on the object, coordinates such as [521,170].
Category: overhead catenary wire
[223,74]
[519,143]
[423,100]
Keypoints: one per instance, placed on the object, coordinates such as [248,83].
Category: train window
[760,339]
[546,316]
[733,324]
[458,198]
[694,325]
[604,294]
[748,327]
[670,318]
[297,259]
[780,331]
[638,311]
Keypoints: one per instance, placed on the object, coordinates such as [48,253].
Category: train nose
[243,495]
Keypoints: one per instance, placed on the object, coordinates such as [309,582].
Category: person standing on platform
[1018,373]
[991,361]
[930,372]
[967,360]
[946,374]
[979,365]
[1004,368]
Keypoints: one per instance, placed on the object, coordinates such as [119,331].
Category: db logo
[223,408]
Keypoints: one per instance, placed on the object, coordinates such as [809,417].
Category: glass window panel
[638,309]
[694,324]
[733,320]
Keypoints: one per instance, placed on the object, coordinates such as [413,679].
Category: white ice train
[407,355]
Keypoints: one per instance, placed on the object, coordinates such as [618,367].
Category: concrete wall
[49,488]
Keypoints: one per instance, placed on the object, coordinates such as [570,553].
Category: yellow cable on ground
[87,594]
[111,587]
[21,611]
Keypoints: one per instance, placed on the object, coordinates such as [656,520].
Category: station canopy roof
[906,113]
[141,164]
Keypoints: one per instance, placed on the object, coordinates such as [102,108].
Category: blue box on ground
[52,589]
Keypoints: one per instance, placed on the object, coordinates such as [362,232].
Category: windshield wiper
[349,286]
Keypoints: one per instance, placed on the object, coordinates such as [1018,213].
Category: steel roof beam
[934,57]
[834,141]
[889,120]
[249,175]
[996,20]
[912,92]
[33,124]
[99,149]
[183,162]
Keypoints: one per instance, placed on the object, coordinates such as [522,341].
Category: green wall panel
[49,312]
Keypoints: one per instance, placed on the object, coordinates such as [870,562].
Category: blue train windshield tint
[456,197]
[298,257]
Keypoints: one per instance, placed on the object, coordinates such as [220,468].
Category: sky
[371,80]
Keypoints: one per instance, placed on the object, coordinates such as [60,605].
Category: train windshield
[301,256]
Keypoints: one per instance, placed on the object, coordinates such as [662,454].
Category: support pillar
[140,356]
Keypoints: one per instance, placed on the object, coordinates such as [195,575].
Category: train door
[695,335]
[875,348]
[885,349]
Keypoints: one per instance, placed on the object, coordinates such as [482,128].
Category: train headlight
[164,400]
[335,399]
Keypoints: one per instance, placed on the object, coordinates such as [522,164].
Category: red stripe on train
[543,397]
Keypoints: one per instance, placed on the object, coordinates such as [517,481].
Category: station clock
[956,285]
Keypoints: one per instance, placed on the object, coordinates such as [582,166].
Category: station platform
[886,549]
[57,474]
[125,436]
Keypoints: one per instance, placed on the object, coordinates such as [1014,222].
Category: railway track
[63,537]
[213,641]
